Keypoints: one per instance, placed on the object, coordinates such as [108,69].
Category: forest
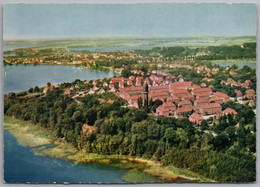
[223,150]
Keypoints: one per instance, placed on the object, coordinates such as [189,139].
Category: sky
[26,21]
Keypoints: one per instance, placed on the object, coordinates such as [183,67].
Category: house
[132,90]
[173,99]
[179,93]
[169,105]
[132,78]
[87,128]
[184,111]
[196,118]
[95,88]
[161,111]
[229,111]
[121,84]
[163,95]
[238,93]
[138,82]
[134,100]
[95,82]
[248,83]
[111,86]
[48,89]
[181,85]
[117,79]
[187,96]
[201,90]
[211,108]
[126,96]
[225,97]
[105,84]
[184,103]
[158,88]
[230,81]
[249,96]
[216,99]
[203,95]
[201,101]
[67,92]
[130,82]
[250,91]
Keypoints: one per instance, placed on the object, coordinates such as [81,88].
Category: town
[169,96]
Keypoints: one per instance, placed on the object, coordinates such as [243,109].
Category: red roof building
[200,102]
[196,118]
[87,128]
[238,93]
[251,91]
[181,85]
[117,79]
[169,105]
[216,99]
[132,90]
[188,96]
[225,97]
[132,78]
[184,111]
[229,111]
[161,111]
[203,95]
[138,82]
[174,99]
[184,103]
[130,82]
[163,95]
[121,84]
[201,90]
[158,88]
[180,93]
[249,96]
[211,108]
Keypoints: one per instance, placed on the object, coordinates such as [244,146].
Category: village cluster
[176,97]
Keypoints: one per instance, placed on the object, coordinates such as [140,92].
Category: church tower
[145,95]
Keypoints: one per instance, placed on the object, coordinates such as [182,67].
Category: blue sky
[22,21]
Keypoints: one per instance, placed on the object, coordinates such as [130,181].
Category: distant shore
[43,143]
[235,61]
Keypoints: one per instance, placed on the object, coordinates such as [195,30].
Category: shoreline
[235,61]
[42,143]
[78,66]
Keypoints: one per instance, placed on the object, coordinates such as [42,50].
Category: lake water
[114,48]
[22,77]
[240,64]
[21,166]
[12,47]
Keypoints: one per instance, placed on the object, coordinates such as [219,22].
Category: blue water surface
[23,77]
[22,166]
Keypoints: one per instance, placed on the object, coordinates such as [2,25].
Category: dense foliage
[220,150]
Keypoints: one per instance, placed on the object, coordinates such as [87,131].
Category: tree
[11,95]
[126,73]
[30,90]
[204,125]
[36,89]
[48,84]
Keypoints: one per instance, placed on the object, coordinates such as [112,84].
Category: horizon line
[125,36]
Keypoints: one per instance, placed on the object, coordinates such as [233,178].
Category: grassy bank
[43,143]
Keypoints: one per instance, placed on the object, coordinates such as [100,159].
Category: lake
[21,166]
[240,64]
[12,47]
[23,77]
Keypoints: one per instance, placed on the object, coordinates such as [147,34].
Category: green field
[81,42]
